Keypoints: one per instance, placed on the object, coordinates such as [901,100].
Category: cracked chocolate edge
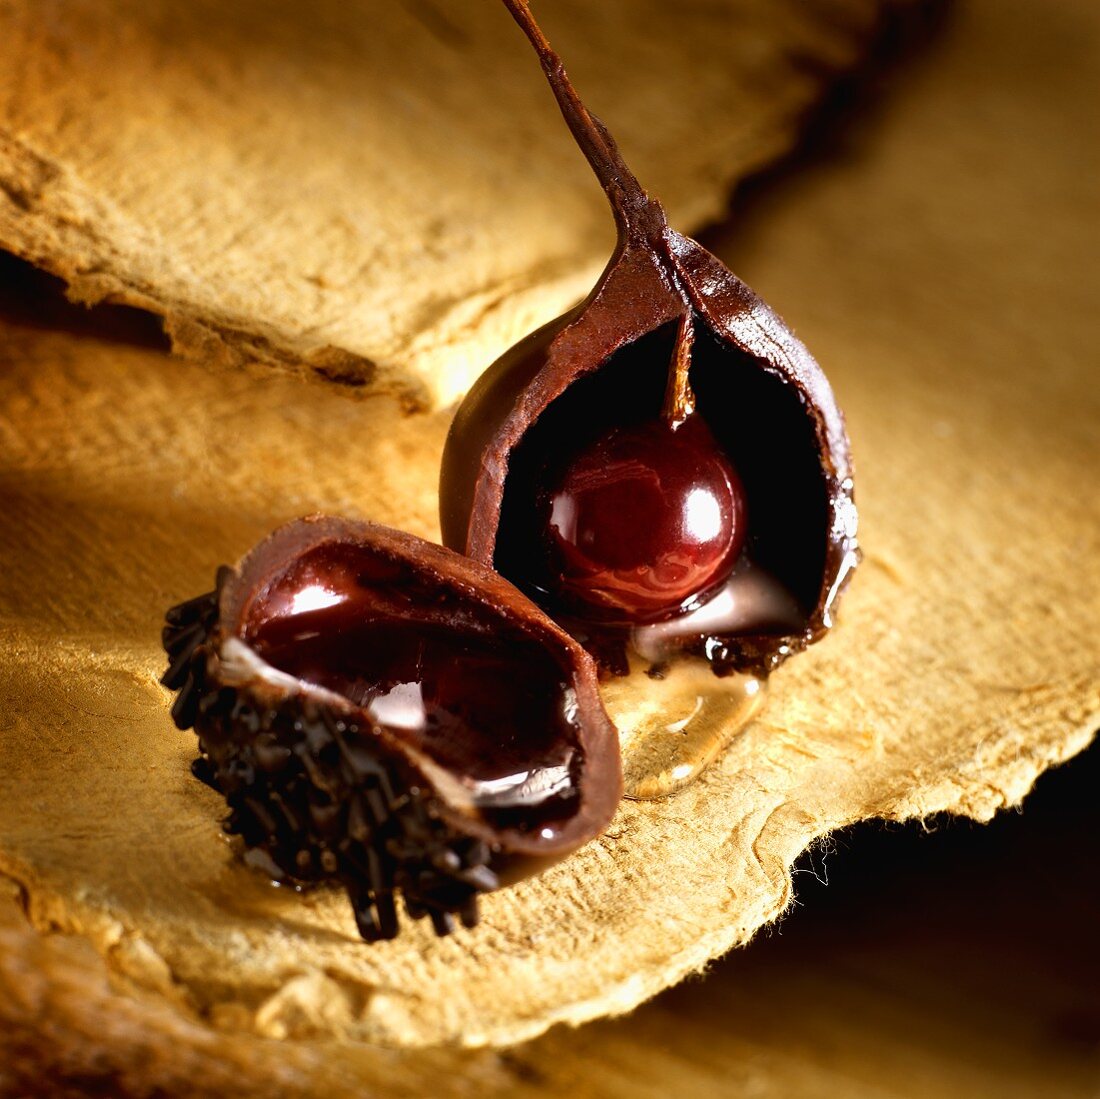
[324,802]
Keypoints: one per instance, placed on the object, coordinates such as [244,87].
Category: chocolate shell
[383,713]
[667,330]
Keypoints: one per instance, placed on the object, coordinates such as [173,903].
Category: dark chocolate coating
[758,388]
[320,781]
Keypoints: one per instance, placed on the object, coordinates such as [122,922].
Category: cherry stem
[636,214]
[679,398]
[627,196]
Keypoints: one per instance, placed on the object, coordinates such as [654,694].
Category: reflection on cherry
[643,523]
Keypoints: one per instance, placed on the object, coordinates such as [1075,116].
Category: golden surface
[942,270]
[381,193]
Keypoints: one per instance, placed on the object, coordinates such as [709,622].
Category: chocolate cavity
[669,344]
[384,713]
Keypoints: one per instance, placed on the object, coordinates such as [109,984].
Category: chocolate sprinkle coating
[312,783]
[319,807]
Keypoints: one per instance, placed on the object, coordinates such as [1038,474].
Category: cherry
[642,523]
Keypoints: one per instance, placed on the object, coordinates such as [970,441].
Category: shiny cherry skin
[643,523]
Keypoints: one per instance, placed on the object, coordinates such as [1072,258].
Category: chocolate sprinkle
[278,670]
[320,803]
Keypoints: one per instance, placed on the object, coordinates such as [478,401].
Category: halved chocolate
[382,712]
[668,335]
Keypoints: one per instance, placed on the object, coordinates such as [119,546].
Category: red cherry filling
[643,523]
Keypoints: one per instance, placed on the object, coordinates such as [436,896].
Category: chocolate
[381,712]
[668,335]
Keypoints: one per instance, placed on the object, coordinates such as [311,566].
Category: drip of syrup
[750,601]
[675,727]
[672,728]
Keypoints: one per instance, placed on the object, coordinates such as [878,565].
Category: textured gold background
[381,191]
[941,265]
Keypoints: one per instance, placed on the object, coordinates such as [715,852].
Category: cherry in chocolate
[384,713]
[641,524]
[666,444]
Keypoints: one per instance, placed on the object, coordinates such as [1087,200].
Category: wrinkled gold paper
[380,193]
[940,272]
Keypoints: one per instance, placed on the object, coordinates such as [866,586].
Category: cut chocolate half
[569,465]
[382,712]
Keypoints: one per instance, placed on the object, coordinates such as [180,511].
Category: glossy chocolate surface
[488,707]
[667,333]
[384,713]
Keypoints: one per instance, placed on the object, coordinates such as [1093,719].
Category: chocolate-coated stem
[636,214]
[634,210]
